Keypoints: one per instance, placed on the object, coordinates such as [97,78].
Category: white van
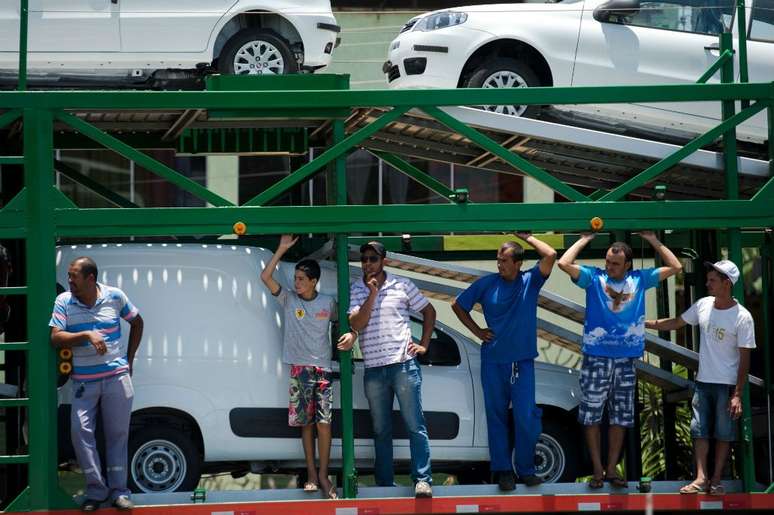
[211,391]
[130,40]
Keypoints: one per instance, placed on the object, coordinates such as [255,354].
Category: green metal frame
[41,214]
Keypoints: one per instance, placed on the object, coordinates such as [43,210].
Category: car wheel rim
[158,466]
[258,58]
[550,461]
[506,79]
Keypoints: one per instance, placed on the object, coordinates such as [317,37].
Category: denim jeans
[710,412]
[382,384]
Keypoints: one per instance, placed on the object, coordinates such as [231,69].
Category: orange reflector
[596,224]
[240,228]
[65,368]
[65,354]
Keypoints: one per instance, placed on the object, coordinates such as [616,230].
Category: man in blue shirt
[509,348]
[613,338]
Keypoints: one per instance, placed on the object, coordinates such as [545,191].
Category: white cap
[725,267]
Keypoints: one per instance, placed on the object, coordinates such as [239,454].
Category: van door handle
[713,46]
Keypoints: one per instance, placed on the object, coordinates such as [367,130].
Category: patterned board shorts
[611,382]
[311,396]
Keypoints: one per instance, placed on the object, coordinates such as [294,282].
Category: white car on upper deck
[133,38]
[586,43]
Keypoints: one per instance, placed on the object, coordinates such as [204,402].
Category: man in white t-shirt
[727,337]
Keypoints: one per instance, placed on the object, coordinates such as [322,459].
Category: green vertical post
[735,255]
[349,474]
[23,24]
[44,493]
[741,20]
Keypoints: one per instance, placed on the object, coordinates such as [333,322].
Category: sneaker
[123,502]
[506,482]
[532,480]
[423,489]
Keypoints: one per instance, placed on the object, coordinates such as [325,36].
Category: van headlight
[441,20]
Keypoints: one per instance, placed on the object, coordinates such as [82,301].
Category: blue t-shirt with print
[510,310]
[615,312]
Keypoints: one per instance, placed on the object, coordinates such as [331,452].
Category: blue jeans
[382,384]
[710,412]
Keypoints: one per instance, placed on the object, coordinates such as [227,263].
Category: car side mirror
[616,8]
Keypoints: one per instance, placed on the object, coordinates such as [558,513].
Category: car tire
[506,73]
[556,454]
[162,459]
[257,52]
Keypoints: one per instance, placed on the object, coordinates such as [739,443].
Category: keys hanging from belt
[514,372]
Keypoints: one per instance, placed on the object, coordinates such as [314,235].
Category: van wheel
[556,456]
[506,73]
[162,460]
[257,52]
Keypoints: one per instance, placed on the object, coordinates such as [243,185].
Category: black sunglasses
[369,259]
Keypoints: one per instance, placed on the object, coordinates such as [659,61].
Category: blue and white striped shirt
[104,317]
[385,339]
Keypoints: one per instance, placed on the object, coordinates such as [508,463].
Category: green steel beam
[13,290]
[11,160]
[14,403]
[9,117]
[436,218]
[15,460]
[668,162]
[725,56]
[506,155]
[24,14]
[96,187]
[143,160]
[349,474]
[735,251]
[741,20]
[418,175]
[79,100]
[311,168]
[16,346]
[41,279]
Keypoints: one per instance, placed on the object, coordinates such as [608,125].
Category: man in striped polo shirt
[379,311]
[87,319]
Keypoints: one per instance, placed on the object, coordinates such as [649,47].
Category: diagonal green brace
[9,117]
[725,56]
[668,162]
[418,175]
[143,160]
[506,155]
[309,169]
[96,187]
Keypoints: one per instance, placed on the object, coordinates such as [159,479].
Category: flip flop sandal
[310,487]
[595,483]
[717,489]
[692,488]
[332,493]
[617,482]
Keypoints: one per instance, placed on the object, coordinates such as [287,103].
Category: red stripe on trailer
[448,505]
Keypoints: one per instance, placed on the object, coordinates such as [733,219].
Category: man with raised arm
[509,348]
[727,338]
[613,339]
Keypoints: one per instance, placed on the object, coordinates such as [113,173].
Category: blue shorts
[611,382]
[711,418]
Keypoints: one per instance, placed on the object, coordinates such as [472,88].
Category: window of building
[762,20]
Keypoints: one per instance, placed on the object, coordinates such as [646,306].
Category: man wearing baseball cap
[379,308]
[727,337]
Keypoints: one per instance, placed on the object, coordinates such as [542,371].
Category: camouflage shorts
[311,396]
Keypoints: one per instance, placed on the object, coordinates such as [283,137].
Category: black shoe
[506,482]
[532,480]
[91,504]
